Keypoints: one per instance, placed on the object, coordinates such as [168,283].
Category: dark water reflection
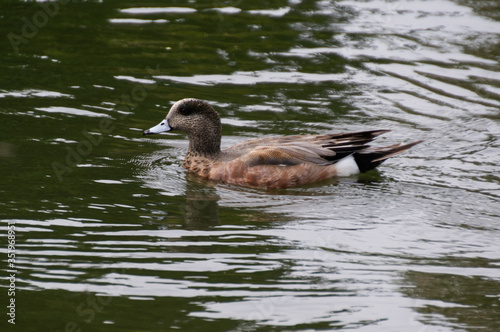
[112,235]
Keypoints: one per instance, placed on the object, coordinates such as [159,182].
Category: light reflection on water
[413,247]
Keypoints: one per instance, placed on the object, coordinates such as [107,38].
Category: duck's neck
[206,144]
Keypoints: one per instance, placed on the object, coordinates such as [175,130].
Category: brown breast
[197,164]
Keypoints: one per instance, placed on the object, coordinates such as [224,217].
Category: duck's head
[198,120]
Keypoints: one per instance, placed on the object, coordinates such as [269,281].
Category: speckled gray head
[189,115]
[198,120]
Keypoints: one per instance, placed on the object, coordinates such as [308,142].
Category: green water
[112,235]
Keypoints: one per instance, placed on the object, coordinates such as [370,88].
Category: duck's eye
[185,110]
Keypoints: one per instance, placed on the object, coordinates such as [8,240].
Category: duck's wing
[300,149]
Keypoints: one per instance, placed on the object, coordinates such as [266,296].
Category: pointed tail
[368,159]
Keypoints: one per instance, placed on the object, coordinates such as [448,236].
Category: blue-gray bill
[160,128]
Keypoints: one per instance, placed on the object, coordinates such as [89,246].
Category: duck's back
[286,161]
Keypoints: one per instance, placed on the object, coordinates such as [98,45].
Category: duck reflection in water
[202,208]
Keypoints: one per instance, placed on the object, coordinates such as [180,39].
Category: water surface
[113,235]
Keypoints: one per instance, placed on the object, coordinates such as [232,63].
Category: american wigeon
[272,162]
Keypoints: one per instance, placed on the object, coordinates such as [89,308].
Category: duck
[271,162]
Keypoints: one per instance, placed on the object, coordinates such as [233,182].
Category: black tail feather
[370,158]
[360,134]
[346,144]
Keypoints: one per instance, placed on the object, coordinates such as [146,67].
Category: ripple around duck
[255,77]
[158,10]
[33,93]
[71,111]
